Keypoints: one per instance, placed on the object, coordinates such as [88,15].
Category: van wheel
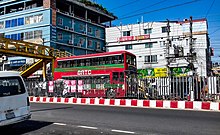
[110,93]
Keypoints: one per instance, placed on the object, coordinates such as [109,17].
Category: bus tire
[110,94]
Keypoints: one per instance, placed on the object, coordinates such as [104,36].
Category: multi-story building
[148,41]
[76,26]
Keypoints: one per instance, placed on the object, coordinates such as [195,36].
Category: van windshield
[10,86]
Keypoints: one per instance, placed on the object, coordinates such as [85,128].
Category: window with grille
[126,33]
[148,31]
[128,47]
[148,45]
[150,59]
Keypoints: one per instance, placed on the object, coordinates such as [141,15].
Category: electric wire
[210,8]
[124,5]
[157,3]
[160,9]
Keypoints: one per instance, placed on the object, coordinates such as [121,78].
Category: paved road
[60,119]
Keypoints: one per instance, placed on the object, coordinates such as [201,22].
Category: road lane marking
[122,131]
[87,127]
[60,124]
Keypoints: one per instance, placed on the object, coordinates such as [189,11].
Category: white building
[148,42]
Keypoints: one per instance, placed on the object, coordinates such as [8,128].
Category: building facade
[75,26]
[148,41]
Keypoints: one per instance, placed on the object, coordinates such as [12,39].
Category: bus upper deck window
[88,62]
[102,61]
[59,64]
[82,62]
[121,59]
[68,64]
[71,63]
[116,59]
[74,63]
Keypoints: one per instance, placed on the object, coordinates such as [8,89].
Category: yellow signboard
[160,72]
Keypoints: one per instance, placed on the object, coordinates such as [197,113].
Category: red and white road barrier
[183,105]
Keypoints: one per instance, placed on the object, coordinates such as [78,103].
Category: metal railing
[166,88]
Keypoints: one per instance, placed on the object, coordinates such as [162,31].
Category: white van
[14,100]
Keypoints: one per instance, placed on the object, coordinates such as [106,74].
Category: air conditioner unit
[66,27]
[70,42]
[89,20]
[67,13]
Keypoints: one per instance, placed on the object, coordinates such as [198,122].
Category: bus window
[98,83]
[68,64]
[94,62]
[59,64]
[88,62]
[135,61]
[122,58]
[121,79]
[97,61]
[71,63]
[116,59]
[77,63]
[115,76]
[74,63]
[104,80]
[107,60]
[130,60]
[110,60]
[82,62]
[63,64]
[102,61]
[88,83]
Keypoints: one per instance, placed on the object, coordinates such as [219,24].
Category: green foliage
[98,6]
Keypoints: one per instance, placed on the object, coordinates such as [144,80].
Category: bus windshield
[131,60]
[11,86]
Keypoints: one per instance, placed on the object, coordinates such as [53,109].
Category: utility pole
[168,44]
[191,49]
[190,36]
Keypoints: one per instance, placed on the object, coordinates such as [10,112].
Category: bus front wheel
[110,93]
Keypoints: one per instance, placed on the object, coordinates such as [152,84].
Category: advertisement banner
[80,85]
[160,72]
[67,85]
[180,71]
[144,73]
[73,86]
[51,86]
[133,38]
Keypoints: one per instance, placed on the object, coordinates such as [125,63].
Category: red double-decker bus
[110,74]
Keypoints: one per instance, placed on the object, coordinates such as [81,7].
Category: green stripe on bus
[101,67]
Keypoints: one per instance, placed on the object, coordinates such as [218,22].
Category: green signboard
[179,71]
[162,72]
